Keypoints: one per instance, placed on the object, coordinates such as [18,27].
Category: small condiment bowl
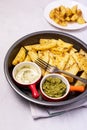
[27,74]
[49,98]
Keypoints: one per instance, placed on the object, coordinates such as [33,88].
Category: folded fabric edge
[65,108]
[39,111]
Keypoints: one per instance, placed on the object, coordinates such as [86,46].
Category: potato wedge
[71,67]
[58,60]
[44,55]
[83,53]
[33,55]
[20,56]
[47,41]
[79,83]
[64,45]
[44,46]
[27,58]
[81,60]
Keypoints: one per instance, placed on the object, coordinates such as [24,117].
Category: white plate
[66,3]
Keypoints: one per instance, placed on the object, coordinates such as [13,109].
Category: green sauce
[54,87]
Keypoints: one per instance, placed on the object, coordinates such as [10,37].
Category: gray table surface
[19,18]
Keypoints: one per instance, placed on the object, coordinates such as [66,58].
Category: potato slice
[62,60]
[20,56]
[74,9]
[81,60]
[83,53]
[73,70]
[47,41]
[79,83]
[59,44]
[44,47]
[27,58]
[58,60]
[64,44]
[73,50]
[33,55]
[81,20]
[71,67]
[29,47]
[44,55]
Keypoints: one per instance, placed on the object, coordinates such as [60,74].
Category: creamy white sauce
[27,75]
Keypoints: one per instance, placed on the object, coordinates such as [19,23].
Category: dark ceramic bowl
[33,39]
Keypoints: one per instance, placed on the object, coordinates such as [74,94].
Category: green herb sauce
[54,87]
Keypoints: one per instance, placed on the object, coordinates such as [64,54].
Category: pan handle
[34,91]
[77,88]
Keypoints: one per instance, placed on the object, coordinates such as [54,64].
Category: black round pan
[33,39]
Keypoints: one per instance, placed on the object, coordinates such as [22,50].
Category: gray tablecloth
[39,111]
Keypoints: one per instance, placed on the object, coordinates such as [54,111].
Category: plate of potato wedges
[66,14]
[59,49]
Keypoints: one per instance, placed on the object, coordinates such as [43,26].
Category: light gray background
[19,18]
